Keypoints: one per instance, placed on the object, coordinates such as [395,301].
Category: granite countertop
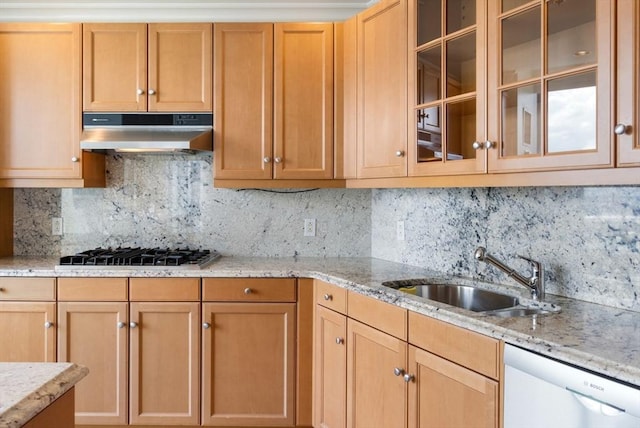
[596,337]
[27,388]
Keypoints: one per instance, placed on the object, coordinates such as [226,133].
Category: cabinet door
[376,390]
[95,336]
[303,101]
[248,364]
[243,101]
[444,394]
[164,360]
[28,332]
[330,369]
[40,100]
[180,63]
[628,84]
[114,72]
[550,84]
[447,128]
[382,90]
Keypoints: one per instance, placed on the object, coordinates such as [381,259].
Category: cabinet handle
[140,91]
[133,324]
[488,144]
[477,145]
[266,159]
[152,92]
[339,341]
[398,371]
[48,324]
[75,159]
[121,324]
[328,297]
[400,153]
[277,159]
[248,290]
[621,129]
[206,325]
[409,378]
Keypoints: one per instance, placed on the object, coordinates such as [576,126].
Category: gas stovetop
[139,258]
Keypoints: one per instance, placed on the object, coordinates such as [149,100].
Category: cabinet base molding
[587,177]
[278,184]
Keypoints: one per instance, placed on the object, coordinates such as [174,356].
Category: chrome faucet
[535,283]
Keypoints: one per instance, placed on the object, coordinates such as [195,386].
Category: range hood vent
[147,132]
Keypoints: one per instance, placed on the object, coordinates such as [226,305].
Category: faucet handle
[534,263]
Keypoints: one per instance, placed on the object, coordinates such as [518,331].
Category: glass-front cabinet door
[447,78]
[550,84]
[628,84]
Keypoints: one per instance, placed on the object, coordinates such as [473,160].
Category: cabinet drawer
[164,289]
[378,314]
[249,289]
[27,288]
[467,348]
[331,296]
[92,289]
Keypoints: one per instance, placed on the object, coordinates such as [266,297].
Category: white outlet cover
[309,227]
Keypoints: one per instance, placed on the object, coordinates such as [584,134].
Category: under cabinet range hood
[147,132]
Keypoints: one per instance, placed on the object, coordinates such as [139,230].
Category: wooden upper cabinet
[40,101]
[154,67]
[114,67]
[628,83]
[273,101]
[550,85]
[243,102]
[303,127]
[447,96]
[382,90]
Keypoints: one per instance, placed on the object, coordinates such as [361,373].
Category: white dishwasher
[543,393]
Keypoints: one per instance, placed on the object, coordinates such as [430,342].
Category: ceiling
[179,11]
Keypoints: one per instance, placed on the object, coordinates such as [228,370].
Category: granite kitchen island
[37,394]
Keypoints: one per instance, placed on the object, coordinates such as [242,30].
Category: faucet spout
[535,283]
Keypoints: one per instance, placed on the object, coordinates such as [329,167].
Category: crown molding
[172,11]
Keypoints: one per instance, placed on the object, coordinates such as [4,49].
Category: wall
[587,238]
[169,201]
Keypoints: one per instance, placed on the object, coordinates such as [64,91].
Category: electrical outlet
[309,227]
[400,230]
[56,226]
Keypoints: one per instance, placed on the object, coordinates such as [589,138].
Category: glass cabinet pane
[521,46]
[429,21]
[571,113]
[461,130]
[460,14]
[507,5]
[521,121]
[429,134]
[429,71]
[571,34]
[461,65]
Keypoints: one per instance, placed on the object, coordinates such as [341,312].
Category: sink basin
[519,312]
[462,296]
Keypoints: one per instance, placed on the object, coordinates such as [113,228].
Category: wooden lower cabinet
[28,331]
[376,390]
[164,365]
[330,369]
[58,414]
[248,364]
[444,394]
[95,335]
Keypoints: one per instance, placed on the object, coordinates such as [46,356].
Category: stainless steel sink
[461,296]
[519,312]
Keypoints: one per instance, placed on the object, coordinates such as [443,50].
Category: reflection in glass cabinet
[549,75]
